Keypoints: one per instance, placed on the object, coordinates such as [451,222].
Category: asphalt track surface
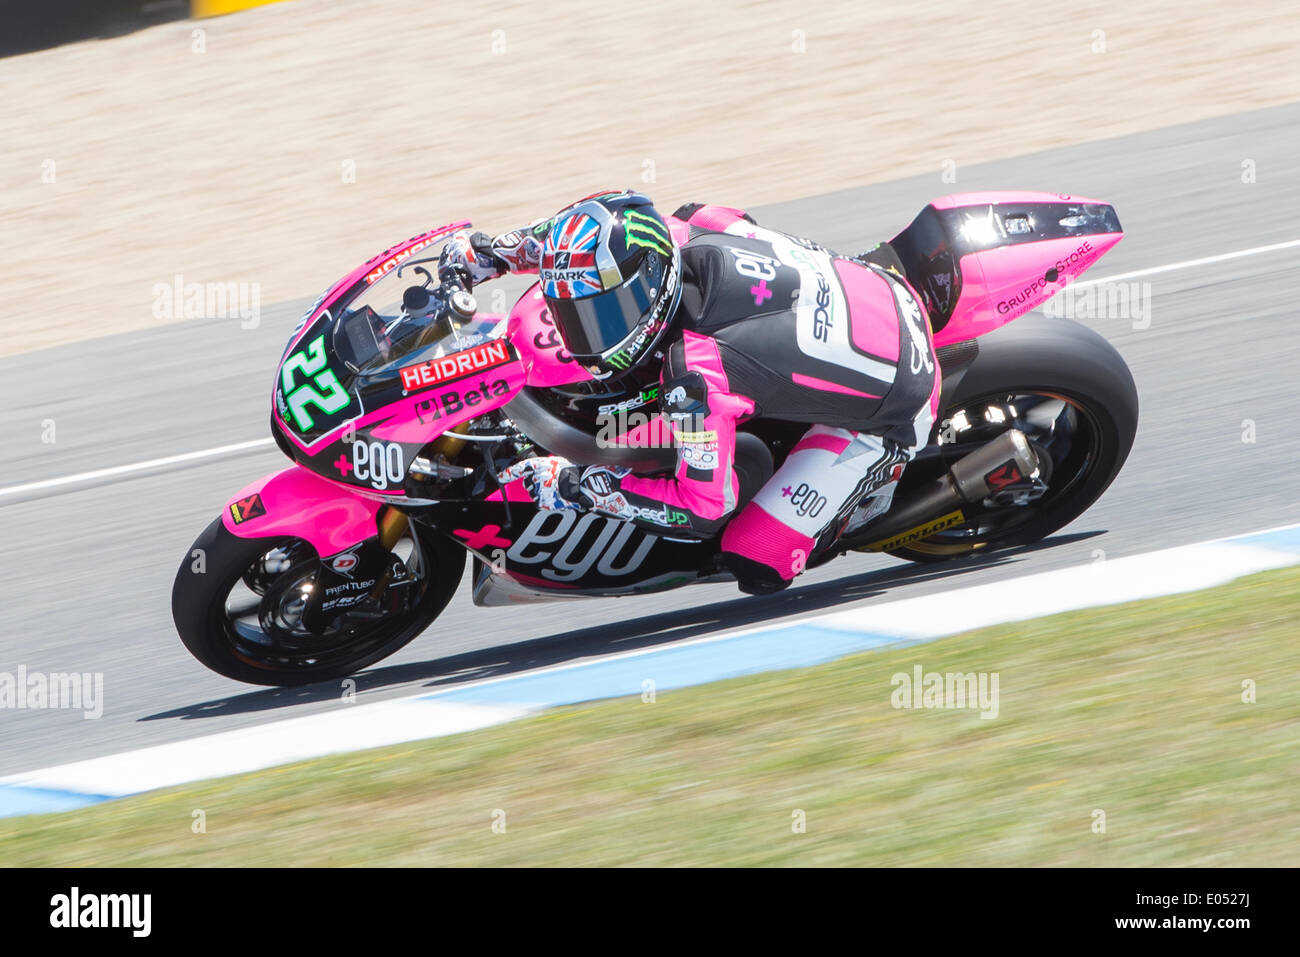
[86,568]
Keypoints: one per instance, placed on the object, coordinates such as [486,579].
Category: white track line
[1188,263]
[255,443]
[134,467]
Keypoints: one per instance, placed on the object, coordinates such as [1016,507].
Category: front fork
[393,524]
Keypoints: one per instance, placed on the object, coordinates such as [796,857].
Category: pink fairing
[1005,282]
[874,330]
[987,196]
[1009,196]
[715,498]
[532,332]
[425,414]
[758,536]
[330,517]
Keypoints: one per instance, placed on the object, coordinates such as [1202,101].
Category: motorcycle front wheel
[238,606]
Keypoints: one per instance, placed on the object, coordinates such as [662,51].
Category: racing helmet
[611,278]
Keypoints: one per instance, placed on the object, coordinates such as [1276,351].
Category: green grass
[1134,710]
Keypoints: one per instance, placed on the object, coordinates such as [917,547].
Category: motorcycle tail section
[979,260]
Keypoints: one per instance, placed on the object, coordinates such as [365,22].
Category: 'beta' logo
[450,403]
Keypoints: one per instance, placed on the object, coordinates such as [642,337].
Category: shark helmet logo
[568,267]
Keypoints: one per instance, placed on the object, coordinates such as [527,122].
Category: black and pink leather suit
[775,326]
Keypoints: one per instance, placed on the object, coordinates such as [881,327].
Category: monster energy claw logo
[640,229]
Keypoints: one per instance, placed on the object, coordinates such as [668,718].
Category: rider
[742,322]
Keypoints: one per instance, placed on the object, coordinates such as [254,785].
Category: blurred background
[281,144]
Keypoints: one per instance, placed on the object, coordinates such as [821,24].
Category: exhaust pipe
[989,469]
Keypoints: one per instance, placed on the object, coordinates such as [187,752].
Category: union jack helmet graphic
[611,277]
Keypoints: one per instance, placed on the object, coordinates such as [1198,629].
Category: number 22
[310,362]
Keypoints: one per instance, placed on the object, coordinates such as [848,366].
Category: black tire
[200,613]
[1045,357]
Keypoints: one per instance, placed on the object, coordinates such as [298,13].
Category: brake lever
[458,277]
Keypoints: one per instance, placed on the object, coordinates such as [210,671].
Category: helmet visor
[594,325]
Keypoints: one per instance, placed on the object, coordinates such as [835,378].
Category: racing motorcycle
[399,405]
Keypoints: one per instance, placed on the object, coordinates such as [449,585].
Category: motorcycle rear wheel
[1072,394]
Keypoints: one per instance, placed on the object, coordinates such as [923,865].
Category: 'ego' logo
[807,500]
[378,463]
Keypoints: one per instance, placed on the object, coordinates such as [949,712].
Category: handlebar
[454,302]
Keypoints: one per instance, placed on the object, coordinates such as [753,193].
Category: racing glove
[481,257]
[472,255]
[551,481]
[520,250]
[556,483]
